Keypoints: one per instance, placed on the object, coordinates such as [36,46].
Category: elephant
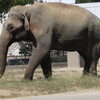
[52,26]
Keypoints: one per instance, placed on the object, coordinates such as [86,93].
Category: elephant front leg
[46,67]
[37,55]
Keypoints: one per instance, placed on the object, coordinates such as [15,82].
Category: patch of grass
[89,82]
[56,84]
[2,96]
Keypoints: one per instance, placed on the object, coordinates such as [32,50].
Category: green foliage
[5,5]
[59,59]
[85,1]
[58,56]
[25,48]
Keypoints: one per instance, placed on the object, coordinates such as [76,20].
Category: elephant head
[15,28]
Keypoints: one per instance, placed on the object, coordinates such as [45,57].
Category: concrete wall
[92,7]
[73,59]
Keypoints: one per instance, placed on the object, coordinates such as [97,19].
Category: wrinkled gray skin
[52,26]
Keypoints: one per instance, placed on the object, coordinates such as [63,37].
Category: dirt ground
[57,70]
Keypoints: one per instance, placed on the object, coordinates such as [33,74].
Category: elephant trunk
[4,42]
[3,56]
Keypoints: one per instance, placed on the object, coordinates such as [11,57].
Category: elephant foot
[93,72]
[85,73]
[26,80]
[89,74]
[47,76]
[28,77]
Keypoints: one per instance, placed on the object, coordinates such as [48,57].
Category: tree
[58,56]
[25,48]
[84,1]
[5,5]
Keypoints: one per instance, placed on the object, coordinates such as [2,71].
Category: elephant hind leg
[87,62]
[91,59]
[90,67]
[93,68]
[46,67]
[96,55]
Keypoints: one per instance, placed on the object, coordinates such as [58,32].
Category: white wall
[68,1]
[51,0]
[64,1]
[93,7]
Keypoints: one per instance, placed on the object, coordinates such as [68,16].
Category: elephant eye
[10,27]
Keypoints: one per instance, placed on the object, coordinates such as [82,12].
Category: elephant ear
[26,23]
